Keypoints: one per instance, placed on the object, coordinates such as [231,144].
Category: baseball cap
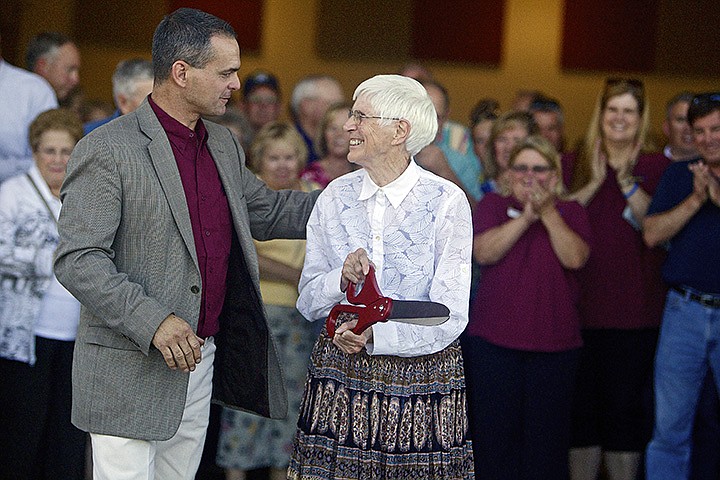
[260,79]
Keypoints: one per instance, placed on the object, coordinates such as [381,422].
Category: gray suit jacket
[127,253]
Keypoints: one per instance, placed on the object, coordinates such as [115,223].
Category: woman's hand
[624,168]
[598,165]
[349,342]
[354,269]
[541,198]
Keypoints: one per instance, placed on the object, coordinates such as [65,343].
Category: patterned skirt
[382,417]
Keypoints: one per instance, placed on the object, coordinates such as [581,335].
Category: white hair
[309,87]
[402,97]
[128,74]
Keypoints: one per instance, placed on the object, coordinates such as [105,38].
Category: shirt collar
[41,184]
[176,131]
[395,191]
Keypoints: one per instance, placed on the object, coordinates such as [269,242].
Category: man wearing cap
[548,115]
[685,212]
[261,99]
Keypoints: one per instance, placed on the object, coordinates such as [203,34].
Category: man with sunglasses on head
[685,213]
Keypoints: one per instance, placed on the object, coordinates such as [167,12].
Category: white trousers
[118,458]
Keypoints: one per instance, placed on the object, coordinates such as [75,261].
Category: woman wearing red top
[521,346]
[622,294]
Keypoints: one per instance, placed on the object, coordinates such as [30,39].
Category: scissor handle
[368,315]
[369,305]
[368,294]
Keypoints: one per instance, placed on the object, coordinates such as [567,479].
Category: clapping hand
[598,165]
[705,184]
[624,168]
[540,199]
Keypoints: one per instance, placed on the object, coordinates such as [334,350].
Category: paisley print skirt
[382,417]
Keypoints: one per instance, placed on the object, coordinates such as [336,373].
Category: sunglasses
[535,168]
[706,98]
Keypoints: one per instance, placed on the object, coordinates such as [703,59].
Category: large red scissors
[369,306]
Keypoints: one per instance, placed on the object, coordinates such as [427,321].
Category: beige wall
[531,59]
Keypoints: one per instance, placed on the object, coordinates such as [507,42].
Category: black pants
[37,440]
[519,406]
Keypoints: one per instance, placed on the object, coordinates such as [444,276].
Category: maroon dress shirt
[209,214]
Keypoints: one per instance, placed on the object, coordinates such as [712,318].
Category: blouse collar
[395,191]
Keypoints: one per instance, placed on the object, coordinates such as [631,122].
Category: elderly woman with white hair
[388,402]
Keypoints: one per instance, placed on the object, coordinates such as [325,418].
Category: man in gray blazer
[159,213]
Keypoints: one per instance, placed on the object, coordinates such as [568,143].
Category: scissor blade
[419,312]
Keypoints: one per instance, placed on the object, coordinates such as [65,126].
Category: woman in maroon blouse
[622,294]
[521,346]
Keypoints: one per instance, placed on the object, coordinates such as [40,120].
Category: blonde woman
[509,129]
[521,347]
[622,293]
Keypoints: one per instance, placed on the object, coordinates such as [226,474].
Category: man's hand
[177,342]
[713,188]
[700,180]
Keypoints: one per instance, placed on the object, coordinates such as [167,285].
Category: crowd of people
[185,246]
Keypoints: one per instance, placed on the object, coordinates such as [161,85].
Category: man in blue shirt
[685,212]
[132,82]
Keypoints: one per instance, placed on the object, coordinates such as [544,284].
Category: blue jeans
[688,346]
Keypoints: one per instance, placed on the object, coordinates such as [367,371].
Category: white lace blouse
[417,231]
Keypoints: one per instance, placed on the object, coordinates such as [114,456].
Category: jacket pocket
[106,337]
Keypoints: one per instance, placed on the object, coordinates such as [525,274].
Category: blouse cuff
[385,339]
[331,288]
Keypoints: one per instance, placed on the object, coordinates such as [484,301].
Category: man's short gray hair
[127,75]
[44,45]
[308,87]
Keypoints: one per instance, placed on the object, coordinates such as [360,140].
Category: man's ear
[179,72]
[122,102]
[41,66]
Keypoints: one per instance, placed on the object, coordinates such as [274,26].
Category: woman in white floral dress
[389,402]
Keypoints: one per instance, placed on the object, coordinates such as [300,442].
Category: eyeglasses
[705,98]
[358,116]
[54,152]
[535,168]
